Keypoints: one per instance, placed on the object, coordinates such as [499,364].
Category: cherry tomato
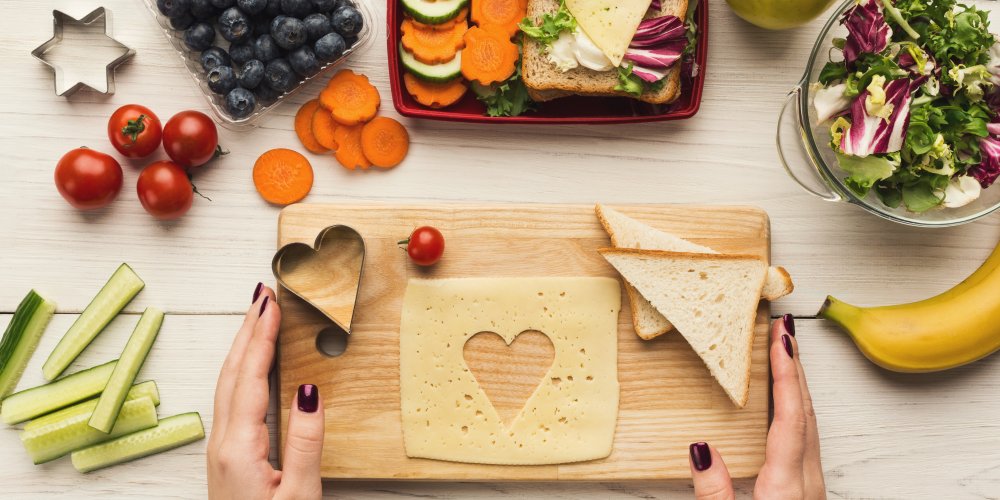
[165,190]
[134,131]
[190,138]
[88,179]
[424,246]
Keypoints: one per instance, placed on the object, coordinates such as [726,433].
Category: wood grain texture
[666,392]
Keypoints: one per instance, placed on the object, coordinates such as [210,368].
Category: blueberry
[350,41]
[330,47]
[325,5]
[289,32]
[173,8]
[234,25]
[303,61]
[296,8]
[273,8]
[214,56]
[221,79]
[251,74]
[265,94]
[241,52]
[199,36]
[317,25]
[252,6]
[279,75]
[182,22]
[240,102]
[223,4]
[265,48]
[280,18]
[203,9]
[347,20]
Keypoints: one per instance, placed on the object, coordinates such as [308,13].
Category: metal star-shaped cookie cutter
[60,19]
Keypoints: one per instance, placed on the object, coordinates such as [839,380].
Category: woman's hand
[239,444]
[792,466]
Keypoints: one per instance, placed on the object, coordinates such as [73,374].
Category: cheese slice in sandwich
[711,299]
[626,232]
[610,24]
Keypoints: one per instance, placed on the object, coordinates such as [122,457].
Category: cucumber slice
[43,399]
[146,389]
[431,72]
[116,294]
[21,338]
[434,11]
[132,358]
[58,437]
[171,432]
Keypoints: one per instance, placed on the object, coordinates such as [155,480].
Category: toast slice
[712,300]
[626,232]
[546,82]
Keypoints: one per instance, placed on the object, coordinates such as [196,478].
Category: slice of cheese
[610,24]
[570,417]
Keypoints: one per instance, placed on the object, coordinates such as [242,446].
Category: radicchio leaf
[989,169]
[881,130]
[657,45]
[867,30]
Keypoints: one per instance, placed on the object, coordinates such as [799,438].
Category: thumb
[300,477]
[710,475]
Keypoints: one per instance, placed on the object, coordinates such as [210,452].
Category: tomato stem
[219,152]
[403,242]
[133,128]
[195,188]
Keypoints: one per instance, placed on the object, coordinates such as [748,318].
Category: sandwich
[629,48]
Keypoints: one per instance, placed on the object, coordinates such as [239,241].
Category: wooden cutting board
[668,398]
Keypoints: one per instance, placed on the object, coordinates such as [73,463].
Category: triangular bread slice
[711,299]
[626,232]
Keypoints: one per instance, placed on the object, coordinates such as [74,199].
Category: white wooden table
[883,435]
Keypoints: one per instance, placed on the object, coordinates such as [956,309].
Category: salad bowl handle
[791,140]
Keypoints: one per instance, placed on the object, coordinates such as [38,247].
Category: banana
[959,326]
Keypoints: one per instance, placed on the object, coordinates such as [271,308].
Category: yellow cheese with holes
[610,24]
[572,413]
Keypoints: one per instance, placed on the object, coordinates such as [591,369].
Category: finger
[250,394]
[230,367]
[815,486]
[300,476]
[709,473]
[786,438]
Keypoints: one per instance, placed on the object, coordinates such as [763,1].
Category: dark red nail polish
[263,305]
[308,398]
[256,292]
[787,342]
[789,322]
[701,456]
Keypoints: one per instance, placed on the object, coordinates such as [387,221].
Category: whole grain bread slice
[712,299]
[546,82]
[626,232]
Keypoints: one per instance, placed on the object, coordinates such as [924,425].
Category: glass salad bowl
[804,151]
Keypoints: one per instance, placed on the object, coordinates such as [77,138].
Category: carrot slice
[384,142]
[462,17]
[434,95]
[488,57]
[323,127]
[350,97]
[432,46]
[303,127]
[500,15]
[282,176]
[349,153]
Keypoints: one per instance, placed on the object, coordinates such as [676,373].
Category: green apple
[779,14]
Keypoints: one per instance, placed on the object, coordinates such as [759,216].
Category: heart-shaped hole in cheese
[509,374]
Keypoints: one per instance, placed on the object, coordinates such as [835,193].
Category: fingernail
[789,322]
[701,456]
[256,292]
[308,398]
[787,342]
[263,305]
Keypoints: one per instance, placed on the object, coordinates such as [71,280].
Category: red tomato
[88,179]
[425,246]
[165,190]
[134,131]
[190,138]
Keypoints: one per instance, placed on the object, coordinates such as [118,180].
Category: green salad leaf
[508,98]
[629,83]
[864,172]
[551,25]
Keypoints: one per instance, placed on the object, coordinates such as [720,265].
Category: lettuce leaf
[863,173]
[551,25]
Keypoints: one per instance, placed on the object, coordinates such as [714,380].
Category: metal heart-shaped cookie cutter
[327,275]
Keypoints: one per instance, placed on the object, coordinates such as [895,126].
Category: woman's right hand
[792,468]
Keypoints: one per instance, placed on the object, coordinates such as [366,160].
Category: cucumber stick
[434,11]
[145,389]
[59,437]
[21,338]
[131,360]
[169,433]
[43,399]
[431,72]
[116,294]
